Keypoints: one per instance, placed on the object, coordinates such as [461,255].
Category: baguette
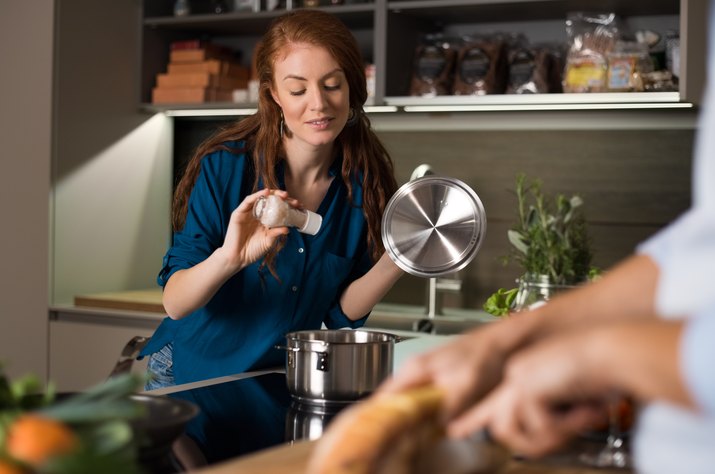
[382,434]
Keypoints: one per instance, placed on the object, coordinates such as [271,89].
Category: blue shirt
[238,328]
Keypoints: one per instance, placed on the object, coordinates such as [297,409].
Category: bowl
[164,420]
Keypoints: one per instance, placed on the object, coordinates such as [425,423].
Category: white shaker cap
[312,224]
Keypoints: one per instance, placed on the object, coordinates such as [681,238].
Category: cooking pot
[337,366]
[433,226]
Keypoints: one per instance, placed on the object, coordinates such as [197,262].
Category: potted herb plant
[550,242]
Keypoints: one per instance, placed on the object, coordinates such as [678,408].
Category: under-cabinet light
[371,109]
[537,107]
[207,112]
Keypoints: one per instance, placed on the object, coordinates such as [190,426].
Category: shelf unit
[388,32]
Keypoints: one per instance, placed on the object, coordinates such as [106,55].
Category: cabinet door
[83,354]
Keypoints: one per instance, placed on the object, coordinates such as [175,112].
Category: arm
[470,366]
[363,294]
[573,370]
[627,292]
[246,241]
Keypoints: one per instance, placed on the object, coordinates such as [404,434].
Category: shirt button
[294,288]
[301,250]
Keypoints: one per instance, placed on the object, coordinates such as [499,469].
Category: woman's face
[312,90]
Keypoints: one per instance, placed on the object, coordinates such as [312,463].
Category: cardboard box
[189,95]
[211,66]
[200,79]
[199,54]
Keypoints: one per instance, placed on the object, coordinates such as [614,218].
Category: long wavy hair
[365,159]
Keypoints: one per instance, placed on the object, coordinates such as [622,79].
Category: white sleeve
[697,358]
[685,254]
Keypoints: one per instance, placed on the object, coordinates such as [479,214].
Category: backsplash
[633,182]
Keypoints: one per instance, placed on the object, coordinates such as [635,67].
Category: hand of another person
[247,239]
[551,391]
[466,368]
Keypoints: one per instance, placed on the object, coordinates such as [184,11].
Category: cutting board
[137,300]
[283,459]
[293,459]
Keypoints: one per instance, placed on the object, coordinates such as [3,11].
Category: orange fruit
[7,468]
[34,439]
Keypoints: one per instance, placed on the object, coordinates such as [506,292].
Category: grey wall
[632,181]
[112,180]
[26,31]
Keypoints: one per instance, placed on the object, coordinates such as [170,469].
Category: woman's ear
[275,97]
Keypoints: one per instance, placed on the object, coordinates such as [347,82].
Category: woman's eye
[300,92]
[332,88]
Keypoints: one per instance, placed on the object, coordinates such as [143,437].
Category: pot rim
[294,336]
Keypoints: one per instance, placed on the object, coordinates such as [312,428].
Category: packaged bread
[482,66]
[592,38]
[627,64]
[433,69]
[534,69]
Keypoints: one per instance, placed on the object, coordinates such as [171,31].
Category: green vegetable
[100,417]
[501,302]
[550,238]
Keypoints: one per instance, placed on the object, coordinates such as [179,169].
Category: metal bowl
[433,226]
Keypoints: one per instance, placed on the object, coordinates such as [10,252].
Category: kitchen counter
[250,424]
[392,317]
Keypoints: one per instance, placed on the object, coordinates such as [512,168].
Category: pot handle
[292,349]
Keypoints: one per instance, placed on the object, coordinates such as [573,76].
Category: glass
[614,453]
[535,290]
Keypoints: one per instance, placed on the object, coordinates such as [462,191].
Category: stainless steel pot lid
[433,226]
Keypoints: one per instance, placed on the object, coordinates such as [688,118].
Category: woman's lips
[320,124]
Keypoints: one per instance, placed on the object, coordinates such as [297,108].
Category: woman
[232,287]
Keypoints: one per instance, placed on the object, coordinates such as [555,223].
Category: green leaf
[501,302]
[518,241]
[106,401]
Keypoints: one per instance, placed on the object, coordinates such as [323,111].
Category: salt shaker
[273,211]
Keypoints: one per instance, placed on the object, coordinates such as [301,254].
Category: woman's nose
[317,99]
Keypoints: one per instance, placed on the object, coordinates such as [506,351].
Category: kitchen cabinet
[389,31]
[85,344]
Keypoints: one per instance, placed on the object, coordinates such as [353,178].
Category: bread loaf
[382,434]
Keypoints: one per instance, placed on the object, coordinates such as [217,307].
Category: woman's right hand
[247,240]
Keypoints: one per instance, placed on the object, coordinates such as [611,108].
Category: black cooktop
[247,415]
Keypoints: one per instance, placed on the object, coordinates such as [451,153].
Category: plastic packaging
[591,38]
[273,211]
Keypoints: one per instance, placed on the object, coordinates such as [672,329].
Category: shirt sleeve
[204,229]
[684,252]
[698,358]
[336,318]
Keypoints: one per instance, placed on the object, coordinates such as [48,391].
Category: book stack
[199,72]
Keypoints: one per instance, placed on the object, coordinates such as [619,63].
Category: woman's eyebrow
[301,78]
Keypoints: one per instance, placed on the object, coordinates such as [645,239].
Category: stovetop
[251,414]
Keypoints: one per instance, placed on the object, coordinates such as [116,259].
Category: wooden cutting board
[293,459]
[137,300]
[283,459]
